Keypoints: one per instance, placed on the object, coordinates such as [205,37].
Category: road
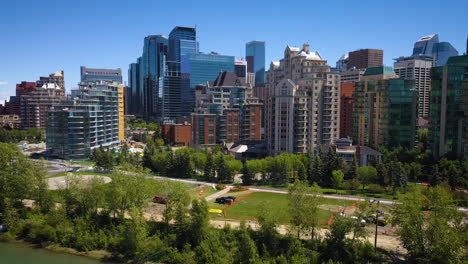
[272,190]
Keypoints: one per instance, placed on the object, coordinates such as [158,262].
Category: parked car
[160,199]
[3,228]
[225,199]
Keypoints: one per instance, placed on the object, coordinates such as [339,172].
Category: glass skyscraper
[430,46]
[255,56]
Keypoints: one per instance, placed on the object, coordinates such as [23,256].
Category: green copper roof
[458,60]
[379,70]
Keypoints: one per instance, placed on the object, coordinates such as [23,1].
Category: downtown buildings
[255,56]
[302,109]
[384,111]
[226,112]
[448,112]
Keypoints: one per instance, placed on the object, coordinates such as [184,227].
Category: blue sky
[41,37]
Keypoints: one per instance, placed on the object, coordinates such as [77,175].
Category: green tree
[199,161]
[303,207]
[199,221]
[430,226]
[209,169]
[366,175]
[247,252]
[247,175]
[224,172]
[337,179]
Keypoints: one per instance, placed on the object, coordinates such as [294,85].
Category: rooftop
[381,70]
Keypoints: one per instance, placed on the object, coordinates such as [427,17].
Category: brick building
[177,134]
[346,108]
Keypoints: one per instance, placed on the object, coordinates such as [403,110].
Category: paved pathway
[217,194]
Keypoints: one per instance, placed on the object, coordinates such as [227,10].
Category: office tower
[33,99]
[91,75]
[346,108]
[418,69]
[255,56]
[154,58]
[384,109]
[430,46]
[135,95]
[342,63]
[448,108]
[226,112]
[365,58]
[303,103]
[86,120]
[182,42]
[240,68]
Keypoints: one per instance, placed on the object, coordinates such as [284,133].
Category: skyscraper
[430,46]
[418,69]
[365,58]
[255,56]
[91,75]
[449,108]
[384,109]
[302,107]
[133,101]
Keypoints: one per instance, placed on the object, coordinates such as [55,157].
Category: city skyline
[61,43]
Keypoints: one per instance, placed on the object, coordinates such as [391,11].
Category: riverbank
[97,255]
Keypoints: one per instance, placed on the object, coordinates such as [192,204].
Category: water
[12,253]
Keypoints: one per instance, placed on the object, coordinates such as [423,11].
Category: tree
[366,175]
[331,162]
[303,207]
[337,179]
[199,221]
[209,169]
[247,175]
[351,171]
[399,179]
[199,161]
[247,252]
[430,226]
[104,159]
[224,172]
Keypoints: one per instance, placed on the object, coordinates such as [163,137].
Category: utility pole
[376,225]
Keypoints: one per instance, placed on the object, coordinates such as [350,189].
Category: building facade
[417,69]
[384,111]
[255,56]
[92,75]
[302,109]
[177,134]
[448,108]
[346,109]
[365,58]
[226,112]
[90,118]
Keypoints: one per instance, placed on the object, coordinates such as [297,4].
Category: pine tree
[209,170]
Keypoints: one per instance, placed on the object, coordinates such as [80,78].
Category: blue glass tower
[430,46]
[255,55]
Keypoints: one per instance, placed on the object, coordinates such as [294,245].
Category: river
[13,253]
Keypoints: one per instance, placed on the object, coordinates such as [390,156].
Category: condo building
[302,109]
[91,117]
[384,110]
[364,58]
[226,112]
[91,75]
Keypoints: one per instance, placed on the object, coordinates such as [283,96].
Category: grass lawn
[276,203]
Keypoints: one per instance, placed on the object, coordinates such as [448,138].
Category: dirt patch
[63,182]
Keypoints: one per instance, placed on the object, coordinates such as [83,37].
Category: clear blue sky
[40,37]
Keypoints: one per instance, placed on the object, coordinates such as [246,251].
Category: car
[160,199]
[3,228]
[225,199]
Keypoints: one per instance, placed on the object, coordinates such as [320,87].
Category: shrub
[239,189]
[220,186]
[376,188]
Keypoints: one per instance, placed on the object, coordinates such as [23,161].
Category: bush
[376,188]
[351,184]
[220,186]
[239,189]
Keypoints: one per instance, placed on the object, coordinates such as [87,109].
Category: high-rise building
[352,75]
[255,56]
[430,46]
[134,100]
[90,118]
[33,99]
[418,69]
[240,68]
[384,109]
[346,109]
[226,112]
[92,75]
[449,108]
[365,58]
[342,63]
[303,103]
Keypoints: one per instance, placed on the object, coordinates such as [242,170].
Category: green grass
[276,203]
[79,173]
